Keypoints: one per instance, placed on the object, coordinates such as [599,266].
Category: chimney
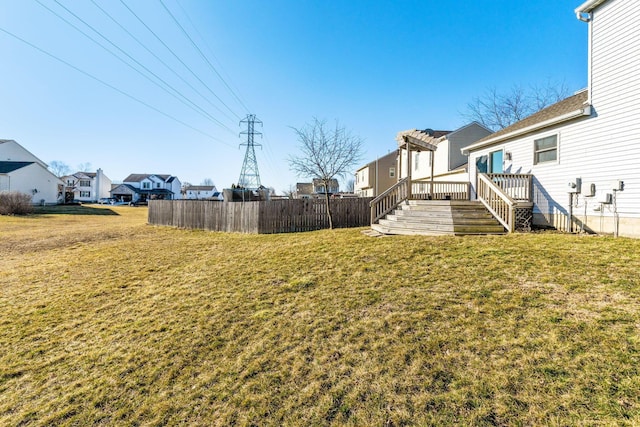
[98,194]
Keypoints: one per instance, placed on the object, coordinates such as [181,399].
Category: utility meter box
[605,198]
[589,189]
[617,185]
[574,185]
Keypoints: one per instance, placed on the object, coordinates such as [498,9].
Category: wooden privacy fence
[275,216]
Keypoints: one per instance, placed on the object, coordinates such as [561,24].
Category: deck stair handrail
[502,193]
[388,200]
[516,186]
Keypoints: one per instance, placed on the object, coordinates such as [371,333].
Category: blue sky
[378,67]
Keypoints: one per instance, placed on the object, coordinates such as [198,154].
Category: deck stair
[439,217]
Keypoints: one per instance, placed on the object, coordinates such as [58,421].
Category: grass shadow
[72,210]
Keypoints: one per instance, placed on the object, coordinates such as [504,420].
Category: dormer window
[146,185]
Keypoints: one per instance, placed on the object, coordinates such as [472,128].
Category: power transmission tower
[249,175]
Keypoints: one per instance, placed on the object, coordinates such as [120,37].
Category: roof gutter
[585,111]
[583,12]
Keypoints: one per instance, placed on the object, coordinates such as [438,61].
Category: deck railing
[496,201]
[442,190]
[516,186]
[389,200]
[504,195]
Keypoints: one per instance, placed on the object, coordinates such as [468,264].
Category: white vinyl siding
[598,149]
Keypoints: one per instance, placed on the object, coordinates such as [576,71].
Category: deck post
[431,160]
[408,167]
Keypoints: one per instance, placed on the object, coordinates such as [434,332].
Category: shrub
[15,203]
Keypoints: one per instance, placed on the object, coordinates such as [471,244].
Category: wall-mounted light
[507,155]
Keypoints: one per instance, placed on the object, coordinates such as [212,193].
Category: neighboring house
[447,161]
[23,172]
[307,190]
[144,187]
[583,152]
[319,187]
[86,186]
[304,190]
[377,176]
[199,192]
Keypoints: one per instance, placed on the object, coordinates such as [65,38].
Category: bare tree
[497,110]
[351,185]
[290,193]
[326,153]
[183,188]
[85,167]
[59,168]
[207,181]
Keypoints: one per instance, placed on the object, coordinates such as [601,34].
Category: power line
[175,93]
[202,55]
[178,58]
[159,59]
[91,76]
[243,101]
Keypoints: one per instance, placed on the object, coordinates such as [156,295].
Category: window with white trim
[146,185]
[545,149]
[392,172]
[85,183]
[85,194]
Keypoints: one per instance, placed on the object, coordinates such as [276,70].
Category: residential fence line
[266,217]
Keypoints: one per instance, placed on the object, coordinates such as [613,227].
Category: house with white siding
[581,155]
[23,172]
[202,192]
[139,187]
[86,186]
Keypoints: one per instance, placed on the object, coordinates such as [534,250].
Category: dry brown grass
[106,320]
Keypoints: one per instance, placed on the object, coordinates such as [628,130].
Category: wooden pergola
[417,141]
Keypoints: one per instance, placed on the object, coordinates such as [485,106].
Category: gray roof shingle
[566,106]
[7,167]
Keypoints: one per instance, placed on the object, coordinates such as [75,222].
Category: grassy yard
[106,320]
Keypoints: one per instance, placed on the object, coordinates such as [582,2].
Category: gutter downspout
[584,16]
[588,18]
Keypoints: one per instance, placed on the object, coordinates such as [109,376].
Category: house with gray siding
[446,162]
[582,154]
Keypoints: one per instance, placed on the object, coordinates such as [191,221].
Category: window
[157,185]
[146,185]
[545,149]
[85,183]
[85,194]
[392,172]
